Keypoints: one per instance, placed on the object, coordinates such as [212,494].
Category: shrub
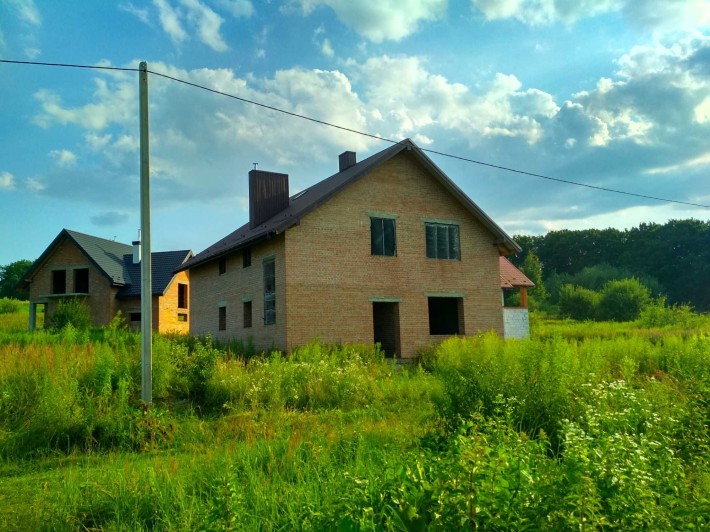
[623,300]
[10,306]
[74,313]
[657,314]
[578,303]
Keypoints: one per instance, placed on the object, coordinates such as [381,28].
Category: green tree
[10,276]
[578,303]
[532,268]
[623,300]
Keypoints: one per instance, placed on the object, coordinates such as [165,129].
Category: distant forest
[672,259]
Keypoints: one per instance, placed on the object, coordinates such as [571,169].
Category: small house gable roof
[306,201]
[163,266]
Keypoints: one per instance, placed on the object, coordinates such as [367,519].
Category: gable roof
[164,264]
[511,277]
[115,261]
[311,198]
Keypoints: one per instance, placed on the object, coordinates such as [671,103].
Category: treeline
[672,260]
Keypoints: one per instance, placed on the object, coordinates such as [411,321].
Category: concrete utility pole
[146,284]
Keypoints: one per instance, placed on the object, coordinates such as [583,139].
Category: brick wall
[332,279]
[168,311]
[210,290]
[66,256]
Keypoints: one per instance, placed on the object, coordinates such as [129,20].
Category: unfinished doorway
[385,321]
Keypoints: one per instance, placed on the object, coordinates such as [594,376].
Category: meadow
[581,427]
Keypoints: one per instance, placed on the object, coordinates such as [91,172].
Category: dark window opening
[445,315]
[135,316]
[442,241]
[269,292]
[222,325]
[81,281]
[246,257]
[247,314]
[383,239]
[222,265]
[59,282]
[182,317]
[182,295]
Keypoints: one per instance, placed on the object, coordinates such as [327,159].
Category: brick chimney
[137,249]
[346,160]
[268,195]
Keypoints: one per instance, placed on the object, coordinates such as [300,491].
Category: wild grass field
[581,427]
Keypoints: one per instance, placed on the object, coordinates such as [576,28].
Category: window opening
[222,265]
[269,292]
[81,280]
[59,282]
[182,295]
[246,257]
[442,241]
[247,314]
[383,239]
[445,315]
[222,325]
[182,317]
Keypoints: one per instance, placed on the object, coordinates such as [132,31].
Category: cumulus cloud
[63,158]
[7,181]
[207,23]
[170,21]
[199,18]
[391,20]
[660,15]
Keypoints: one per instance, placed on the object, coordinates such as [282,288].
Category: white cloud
[382,20]
[7,181]
[703,160]
[237,8]
[140,13]
[207,23]
[35,185]
[26,11]
[170,21]
[326,48]
[63,158]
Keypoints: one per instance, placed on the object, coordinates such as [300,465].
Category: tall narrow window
[81,280]
[59,282]
[442,241]
[222,320]
[247,314]
[222,265]
[383,238]
[269,292]
[182,295]
[246,257]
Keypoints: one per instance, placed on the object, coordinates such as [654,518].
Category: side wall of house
[333,280]
[211,290]
[66,256]
[169,314]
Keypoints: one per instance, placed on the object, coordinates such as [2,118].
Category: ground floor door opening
[385,320]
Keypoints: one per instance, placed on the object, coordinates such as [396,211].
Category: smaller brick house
[105,275]
[387,250]
[516,320]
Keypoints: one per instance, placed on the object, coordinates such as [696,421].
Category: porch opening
[385,320]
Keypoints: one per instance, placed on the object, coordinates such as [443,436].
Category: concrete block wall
[516,323]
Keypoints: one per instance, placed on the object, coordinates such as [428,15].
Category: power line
[363,133]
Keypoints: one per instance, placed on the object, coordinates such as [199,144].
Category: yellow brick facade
[327,279]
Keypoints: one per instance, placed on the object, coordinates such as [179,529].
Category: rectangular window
[222,265]
[81,280]
[446,315]
[182,317]
[247,314]
[246,257]
[269,292]
[59,282]
[182,295]
[383,238]
[442,241]
[222,325]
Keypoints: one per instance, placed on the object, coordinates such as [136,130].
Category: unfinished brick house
[387,250]
[105,275]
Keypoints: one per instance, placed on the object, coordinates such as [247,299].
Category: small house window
[182,317]
[383,239]
[246,257]
[247,314]
[81,280]
[222,265]
[269,292]
[442,241]
[59,282]
[446,315]
[222,319]
[182,295]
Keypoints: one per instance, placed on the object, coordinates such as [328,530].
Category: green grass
[578,427]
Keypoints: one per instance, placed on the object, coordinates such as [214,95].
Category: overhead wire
[364,133]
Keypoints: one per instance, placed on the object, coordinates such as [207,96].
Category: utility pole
[146,284]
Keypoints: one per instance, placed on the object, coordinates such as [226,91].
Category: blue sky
[612,93]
